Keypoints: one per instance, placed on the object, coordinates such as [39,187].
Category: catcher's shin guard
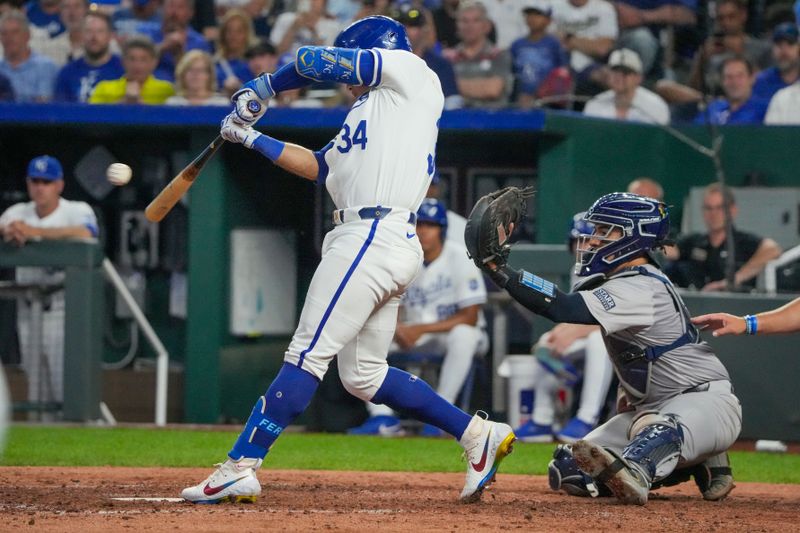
[564,474]
[656,448]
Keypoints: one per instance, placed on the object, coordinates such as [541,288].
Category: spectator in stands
[31,75]
[444,20]
[196,81]
[261,58]
[344,10]
[587,29]
[137,85]
[728,39]
[174,37]
[784,108]
[739,106]
[6,90]
[627,100]
[557,355]
[128,19]
[535,56]
[67,45]
[45,14]
[441,314]
[236,35]
[646,187]
[508,25]
[77,79]
[371,8]
[309,25]
[699,258]
[46,216]
[640,19]
[786,56]
[483,71]
[419,31]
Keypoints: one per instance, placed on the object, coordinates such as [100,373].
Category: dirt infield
[80,499]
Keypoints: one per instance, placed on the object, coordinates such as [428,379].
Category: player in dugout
[678,407]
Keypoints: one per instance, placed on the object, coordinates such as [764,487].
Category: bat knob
[254,106]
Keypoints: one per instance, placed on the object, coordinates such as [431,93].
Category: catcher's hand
[490,224]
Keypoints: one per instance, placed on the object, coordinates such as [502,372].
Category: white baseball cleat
[625,479]
[485,444]
[232,481]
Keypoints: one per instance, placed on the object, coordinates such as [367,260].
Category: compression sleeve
[545,299]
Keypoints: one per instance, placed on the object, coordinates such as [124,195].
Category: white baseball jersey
[450,283]
[784,108]
[68,213]
[385,152]
[593,20]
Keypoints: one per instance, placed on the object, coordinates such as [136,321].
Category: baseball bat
[175,189]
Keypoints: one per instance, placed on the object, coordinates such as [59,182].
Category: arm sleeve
[545,299]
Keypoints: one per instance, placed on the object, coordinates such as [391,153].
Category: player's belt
[343,216]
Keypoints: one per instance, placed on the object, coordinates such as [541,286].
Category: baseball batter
[376,170]
[680,407]
[442,315]
[46,216]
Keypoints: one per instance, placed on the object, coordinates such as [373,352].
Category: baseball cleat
[574,430]
[624,479]
[232,481]
[530,431]
[381,425]
[485,445]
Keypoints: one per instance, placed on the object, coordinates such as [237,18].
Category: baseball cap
[537,6]
[46,168]
[786,31]
[626,59]
[408,15]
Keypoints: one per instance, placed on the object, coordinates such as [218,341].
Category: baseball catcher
[678,413]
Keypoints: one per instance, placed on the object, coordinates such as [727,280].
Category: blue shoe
[575,430]
[384,426]
[532,432]
[433,432]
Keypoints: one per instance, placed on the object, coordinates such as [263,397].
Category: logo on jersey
[605,299]
[473,284]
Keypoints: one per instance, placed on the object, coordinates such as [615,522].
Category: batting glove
[252,100]
[234,132]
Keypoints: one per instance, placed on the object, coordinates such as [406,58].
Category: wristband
[751,324]
[269,147]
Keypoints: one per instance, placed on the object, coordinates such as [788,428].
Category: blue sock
[288,396]
[405,392]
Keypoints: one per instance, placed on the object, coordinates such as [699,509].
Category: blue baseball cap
[786,31]
[45,167]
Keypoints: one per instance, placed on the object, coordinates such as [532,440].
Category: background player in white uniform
[376,170]
[680,407]
[441,314]
[46,216]
[571,343]
[455,222]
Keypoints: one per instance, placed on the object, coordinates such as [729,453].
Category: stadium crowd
[659,61]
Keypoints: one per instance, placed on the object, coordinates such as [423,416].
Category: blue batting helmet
[644,223]
[433,211]
[374,32]
[577,227]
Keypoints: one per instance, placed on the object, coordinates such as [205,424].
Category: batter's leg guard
[563,474]
[287,397]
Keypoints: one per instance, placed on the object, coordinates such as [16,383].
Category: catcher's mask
[433,211]
[643,224]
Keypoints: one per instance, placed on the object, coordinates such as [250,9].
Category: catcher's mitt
[489,226]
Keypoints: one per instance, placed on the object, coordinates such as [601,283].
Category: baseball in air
[119,173]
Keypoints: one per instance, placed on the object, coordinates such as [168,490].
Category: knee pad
[656,445]
[563,474]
